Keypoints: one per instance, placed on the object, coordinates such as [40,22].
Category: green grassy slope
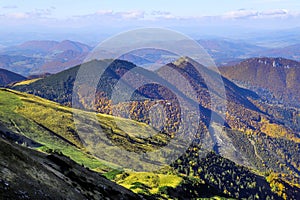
[15,116]
[52,125]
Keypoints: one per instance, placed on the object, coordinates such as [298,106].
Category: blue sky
[105,15]
[189,8]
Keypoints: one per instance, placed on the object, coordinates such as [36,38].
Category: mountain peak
[71,45]
[185,61]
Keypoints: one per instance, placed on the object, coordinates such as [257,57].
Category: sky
[64,9]
[111,15]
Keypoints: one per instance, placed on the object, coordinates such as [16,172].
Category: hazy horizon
[93,21]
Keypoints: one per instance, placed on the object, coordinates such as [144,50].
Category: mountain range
[258,135]
[225,51]
[288,52]
[245,145]
[38,57]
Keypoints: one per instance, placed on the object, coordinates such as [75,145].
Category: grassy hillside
[12,106]
[52,125]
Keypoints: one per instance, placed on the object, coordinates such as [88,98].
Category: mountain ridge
[36,57]
[278,76]
[7,77]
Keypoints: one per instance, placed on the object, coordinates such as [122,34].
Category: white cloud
[112,15]
[238,14]
[107,18]
[105,12]
[246,14]
[275,12]
[34,14]
[157,14]
[132,14]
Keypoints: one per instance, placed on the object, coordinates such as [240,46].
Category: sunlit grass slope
[15,114]
[26,82]
[52,125]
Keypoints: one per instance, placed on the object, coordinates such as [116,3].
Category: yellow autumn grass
[26,82]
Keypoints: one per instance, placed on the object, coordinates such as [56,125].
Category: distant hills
[288,52]
[149,58]
[221,50]
[35,47]
[225,51]
[37,57]
[277,79]
[7,77]
[20,64]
